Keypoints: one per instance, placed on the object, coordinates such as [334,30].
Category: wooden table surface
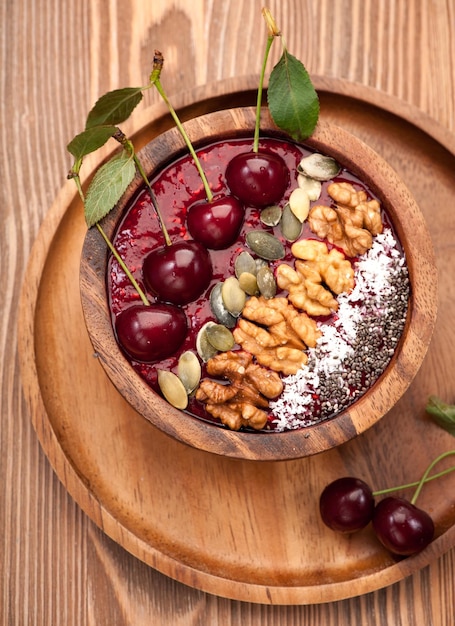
[56,566]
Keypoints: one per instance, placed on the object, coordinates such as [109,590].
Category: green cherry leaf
[443,414]
[108,186]
[292,98]
[90,140]
[114,107]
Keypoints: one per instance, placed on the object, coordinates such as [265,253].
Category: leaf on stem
[443,414]
[292,98]
[90,140]
[107,187]
[114,107]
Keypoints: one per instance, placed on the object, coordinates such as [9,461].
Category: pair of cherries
[347,505]
[180,273]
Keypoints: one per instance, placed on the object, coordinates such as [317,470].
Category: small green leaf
[292,99]
[90,140]
[107,187]
[443,414]
[114,107]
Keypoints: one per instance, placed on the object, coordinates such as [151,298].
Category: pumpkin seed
[266,245]
[319,166]
[203,346]
[299,203]
[220,337]
[266,282]
[189,370]
[260,263]
[218,309]
[312,186]
[233,296]
[290,226]
[244,262]
[248,283]
[271,215]
[172,389]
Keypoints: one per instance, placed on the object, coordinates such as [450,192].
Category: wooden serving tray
[240,529]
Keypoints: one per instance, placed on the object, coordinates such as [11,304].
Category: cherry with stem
[259,178]
[348,504]
[146,332]
[401,526]
[215,222]
[187,262]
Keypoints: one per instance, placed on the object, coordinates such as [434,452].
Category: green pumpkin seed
[244,262]
[218,309]
[259,264]
[290,226]
[266,282]
[220,337]
[248,283]
[271,215]
[203,346]
[265,245]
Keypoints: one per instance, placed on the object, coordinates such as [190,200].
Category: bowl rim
[412,231]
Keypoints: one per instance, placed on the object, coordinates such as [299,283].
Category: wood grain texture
[56,59]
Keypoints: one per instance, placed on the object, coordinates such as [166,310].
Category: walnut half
[276,333]
[352,224]
[244,400]
[318,275]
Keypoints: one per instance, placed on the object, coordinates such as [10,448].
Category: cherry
[346,504]
[178,273]
[216,224]
[258,179]
[151,333]
[402,527]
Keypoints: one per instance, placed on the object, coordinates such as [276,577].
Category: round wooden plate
[245,530]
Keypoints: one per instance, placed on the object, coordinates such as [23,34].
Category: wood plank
[56,59]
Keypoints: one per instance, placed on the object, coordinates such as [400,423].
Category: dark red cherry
[402,527]
[178,273]
[151,333]
[216,224]
[346,504]
[258,179]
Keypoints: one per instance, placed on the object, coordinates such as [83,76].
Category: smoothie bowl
[278,322]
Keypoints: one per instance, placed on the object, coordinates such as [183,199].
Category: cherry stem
[127,144]
[426,478]
[167,239]
[143,297]
[123,265]
[427,471]
[273,32]
[155,80]
[416,483]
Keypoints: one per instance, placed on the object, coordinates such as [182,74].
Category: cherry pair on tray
[347,505]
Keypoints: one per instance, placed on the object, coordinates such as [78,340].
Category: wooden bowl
[380,398]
